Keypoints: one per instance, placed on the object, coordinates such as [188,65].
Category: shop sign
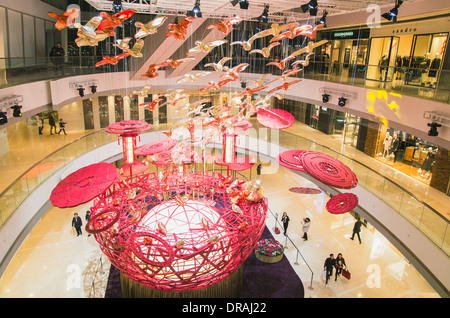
[350,34]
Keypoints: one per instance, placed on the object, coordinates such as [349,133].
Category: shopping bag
[324,275]
[346,274]
[276,230]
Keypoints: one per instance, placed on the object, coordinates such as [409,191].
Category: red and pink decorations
[177,231]
[275,118]
[155,147]
[84,185]
[238,164]
[229,147]
[328,170]
[342,203]
[128,130]
[290,159]
[303,190]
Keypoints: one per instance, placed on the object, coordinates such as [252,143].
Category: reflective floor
[53,262]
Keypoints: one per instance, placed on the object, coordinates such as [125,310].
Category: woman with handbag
[305,227]
[340,264]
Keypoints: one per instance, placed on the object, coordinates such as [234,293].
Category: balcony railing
[417,82]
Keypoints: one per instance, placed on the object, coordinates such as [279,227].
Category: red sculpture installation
[275,118]
[342,203]
[305,190]
[84,185]
[129,130]
[176,231]
[328,170]
[290,159]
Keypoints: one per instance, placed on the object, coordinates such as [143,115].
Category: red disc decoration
[305,190]
[290,159]
[177,231]
[155,147]
[136,167]
[239,164]
[84,185]
[342,203]
[328,170]
[242,125]
[275,118]
[128,127]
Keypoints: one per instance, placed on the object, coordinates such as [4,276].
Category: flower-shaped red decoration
[328,170]
[177,232]
[342,203]
[155,147]
[84,185]
[128,127]
[305,190]
[275,118]
[290,159]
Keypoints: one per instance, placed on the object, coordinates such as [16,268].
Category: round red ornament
[342,203]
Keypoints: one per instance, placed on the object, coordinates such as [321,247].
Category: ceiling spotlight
[243,85]
[393,13]
[323,19]
[342,101]
[325,98]
[3,118]
[16,110]
[264,17]
[433,129]
[81,91]
[311,7]
[243,4]
[196,13]
[93,89]
[234,2]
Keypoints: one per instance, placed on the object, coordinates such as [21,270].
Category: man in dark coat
[357,229]
[57,55]
[77,223]
[330,263]
[51,122]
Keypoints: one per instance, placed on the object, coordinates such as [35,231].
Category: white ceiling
[278,10]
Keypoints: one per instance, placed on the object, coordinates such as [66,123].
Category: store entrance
[382,58]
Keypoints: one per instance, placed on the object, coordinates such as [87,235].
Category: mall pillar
[441,170]
[368,137]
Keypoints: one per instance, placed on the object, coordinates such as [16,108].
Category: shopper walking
[62,126]
[305,227]
[51,122]
[340,264]
[357,229]
[328,266]
[77,223]
[40,123]
[285,220]
[88,217]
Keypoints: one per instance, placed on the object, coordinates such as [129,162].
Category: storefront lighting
[16,111]
[80,91]
[393,13]
[433,129]
[3,118]
[311,7]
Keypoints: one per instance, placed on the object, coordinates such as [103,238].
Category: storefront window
[103,110]
[118,105]
[382,58]
[134,108]
[88,114]
[148,115]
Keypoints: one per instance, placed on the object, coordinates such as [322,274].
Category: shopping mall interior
[363,87]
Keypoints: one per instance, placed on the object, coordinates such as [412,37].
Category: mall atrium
[224,149]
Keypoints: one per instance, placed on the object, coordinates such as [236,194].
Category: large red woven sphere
[177,232]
